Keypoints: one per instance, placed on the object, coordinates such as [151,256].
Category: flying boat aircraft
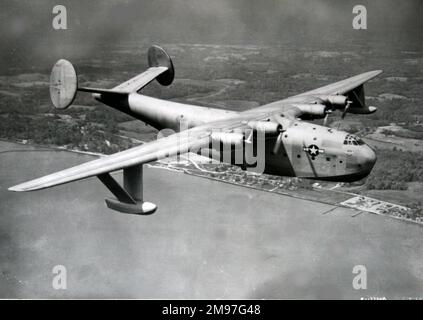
[276,133]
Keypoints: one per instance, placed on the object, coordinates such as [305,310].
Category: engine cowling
[313,110]
[336,101]
[268,127]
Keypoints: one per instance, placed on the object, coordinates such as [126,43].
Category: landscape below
[239,78]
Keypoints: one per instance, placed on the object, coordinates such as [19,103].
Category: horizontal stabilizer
[160,68]
[140,81]
[64,81]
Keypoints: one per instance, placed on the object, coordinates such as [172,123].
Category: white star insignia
[313,150]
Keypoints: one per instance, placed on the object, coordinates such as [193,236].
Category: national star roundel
[313,150]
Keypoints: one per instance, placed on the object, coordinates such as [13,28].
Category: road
[206,240]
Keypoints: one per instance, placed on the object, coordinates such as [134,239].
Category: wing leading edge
[175,144]
[344,86]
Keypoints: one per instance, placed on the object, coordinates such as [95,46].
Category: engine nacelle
[268,127]
[337,101]
[233,139]
[313,111]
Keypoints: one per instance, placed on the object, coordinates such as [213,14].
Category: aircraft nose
[368,157]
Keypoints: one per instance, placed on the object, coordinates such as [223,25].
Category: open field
[230,242]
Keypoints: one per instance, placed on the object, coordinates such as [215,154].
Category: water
[207,240]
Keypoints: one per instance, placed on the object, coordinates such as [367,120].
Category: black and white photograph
[211,150]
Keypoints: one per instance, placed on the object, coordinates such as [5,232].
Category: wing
[178,143]
[172,145]
[344,86]
[317,101]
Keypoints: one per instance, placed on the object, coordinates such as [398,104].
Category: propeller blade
[346,109]
[344,113]
[325,120]
[278,144]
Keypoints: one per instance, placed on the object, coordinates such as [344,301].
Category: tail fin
[63,84]
[64,81]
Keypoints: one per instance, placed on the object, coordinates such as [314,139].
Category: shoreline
[276,190]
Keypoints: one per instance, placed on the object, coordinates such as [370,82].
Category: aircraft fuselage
[307,150]
[318,152]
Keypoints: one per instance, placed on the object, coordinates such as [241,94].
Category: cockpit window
[353,140]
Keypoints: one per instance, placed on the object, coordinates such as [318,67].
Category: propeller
[347,106]
[283,121]
[334,102]
[325,120]
[278,144]
[344,112]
